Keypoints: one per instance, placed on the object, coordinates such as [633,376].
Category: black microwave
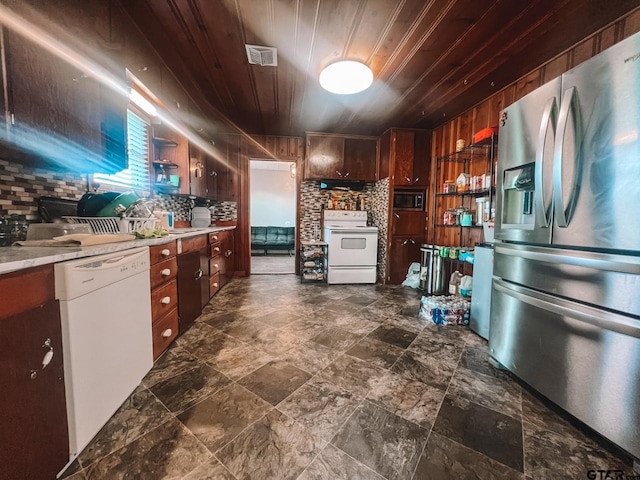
[408,200]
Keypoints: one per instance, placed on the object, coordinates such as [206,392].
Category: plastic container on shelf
[480,210]
[454,283]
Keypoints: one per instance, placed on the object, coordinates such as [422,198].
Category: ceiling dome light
[346,77]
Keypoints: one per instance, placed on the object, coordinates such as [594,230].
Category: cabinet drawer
[215,249]
[215,237]
[214,265]
[163,299]
[163,271]
[38,281]
[164,331]
[214,284]
[194,243]
[158,253]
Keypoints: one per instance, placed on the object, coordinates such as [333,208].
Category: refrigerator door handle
[569,106]
[598,261]
[598,318]
[543,212]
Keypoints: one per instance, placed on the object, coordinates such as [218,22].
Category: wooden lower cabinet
[33,413]
[214,283]
[189,288]
[222,257]
[164,331]
[164,295]
[403,251]
[227,257]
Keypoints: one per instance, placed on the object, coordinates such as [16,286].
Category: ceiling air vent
[263,56]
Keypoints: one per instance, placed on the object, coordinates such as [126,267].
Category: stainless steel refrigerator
[565,311]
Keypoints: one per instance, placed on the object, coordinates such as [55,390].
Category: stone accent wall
[313,201]
[379,212]
[376,202]
[20,188]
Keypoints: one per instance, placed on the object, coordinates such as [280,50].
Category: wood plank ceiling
[431,59]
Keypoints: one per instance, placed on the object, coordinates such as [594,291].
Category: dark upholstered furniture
[273,238]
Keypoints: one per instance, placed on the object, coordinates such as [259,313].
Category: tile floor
[281,263]
[278,380]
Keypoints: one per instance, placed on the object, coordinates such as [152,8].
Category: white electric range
[352,247]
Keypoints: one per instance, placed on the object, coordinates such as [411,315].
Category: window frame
[104,181]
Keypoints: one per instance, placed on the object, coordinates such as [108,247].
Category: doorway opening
[273,206]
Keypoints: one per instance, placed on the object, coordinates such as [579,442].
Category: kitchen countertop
[18,258]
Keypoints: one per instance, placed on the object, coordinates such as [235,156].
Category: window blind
[136,176]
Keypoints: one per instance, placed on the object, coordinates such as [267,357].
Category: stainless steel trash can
[432,278]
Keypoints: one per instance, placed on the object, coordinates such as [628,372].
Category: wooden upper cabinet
[60,116]
[324,157]
[197,172]
[408,223]
[223,171]
[410,157]
[360,155]
[340,157]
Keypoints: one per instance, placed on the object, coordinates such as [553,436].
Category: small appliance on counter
[200,214]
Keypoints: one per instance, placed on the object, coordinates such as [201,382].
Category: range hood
[331,184]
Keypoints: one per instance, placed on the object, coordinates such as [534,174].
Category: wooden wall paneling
[481,117]
[607,37]
[241,148]
[555,67]
[384,147]
[271,144]
[242,235]
[582,52]
[527,84]
[496,103]
[295,149]
[465,127]
[631,24]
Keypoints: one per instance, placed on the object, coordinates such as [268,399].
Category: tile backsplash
[21,186]
[376,202]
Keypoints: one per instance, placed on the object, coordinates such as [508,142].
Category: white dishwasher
[105,306]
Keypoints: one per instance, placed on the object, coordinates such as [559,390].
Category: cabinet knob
[165,252]
[215,237]
[216,249]
[396,215]
[216,265]
[198,274]
[166,272]
[167,333]
[215,284]
[166,300]
[407,179]
[347,174]
[416,180]
[228,253]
